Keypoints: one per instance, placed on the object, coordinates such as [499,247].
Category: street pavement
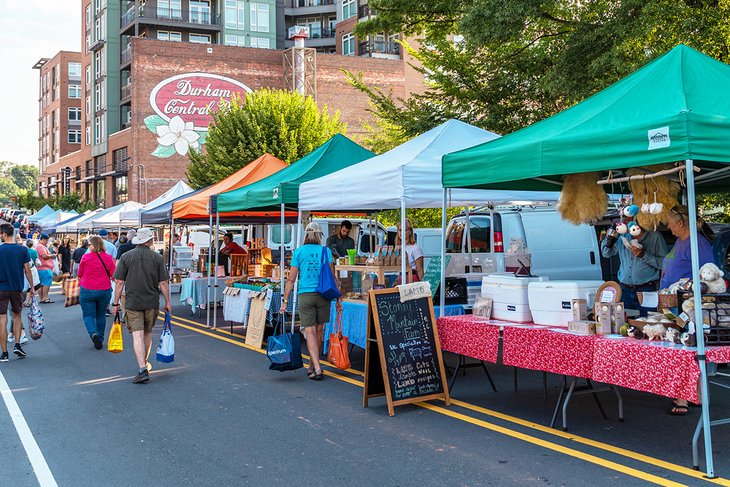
[218,416]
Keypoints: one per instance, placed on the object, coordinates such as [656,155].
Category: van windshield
[276,234]
[479,230]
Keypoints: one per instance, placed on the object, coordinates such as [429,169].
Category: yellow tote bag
[116,344]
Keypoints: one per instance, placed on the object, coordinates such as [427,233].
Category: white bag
[166,346]
[56,268]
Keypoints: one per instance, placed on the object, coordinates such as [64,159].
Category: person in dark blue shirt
[14,262]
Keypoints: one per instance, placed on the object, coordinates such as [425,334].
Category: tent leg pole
[207,274]
[695,254]
[172,232]
[215,272]
[468,239]
[282,246]
[442,284]
[403,241]
[299,226]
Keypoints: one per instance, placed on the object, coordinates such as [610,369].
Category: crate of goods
[716,314]
[456,291]
[551,301]
[509,296]
[473,285]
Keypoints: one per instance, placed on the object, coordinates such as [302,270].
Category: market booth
[280,191]
[135,214]
[404,177]
[670,119]
[40,214]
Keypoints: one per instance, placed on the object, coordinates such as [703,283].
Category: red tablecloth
[540,348]
[470,336]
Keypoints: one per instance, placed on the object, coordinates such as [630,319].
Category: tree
[24,176]
[382,135]
[282,123]
[523,60]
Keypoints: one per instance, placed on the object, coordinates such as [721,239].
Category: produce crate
[716,313]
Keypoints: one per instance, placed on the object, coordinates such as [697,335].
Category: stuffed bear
[712,276]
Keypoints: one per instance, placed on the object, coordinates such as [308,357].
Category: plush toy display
[631,211]
[712,276]
[688,339]
[634,332]
[672,335]
[655,332]
[654,195]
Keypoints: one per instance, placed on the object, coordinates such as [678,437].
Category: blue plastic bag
[327,287]
[284,349]
[166,346]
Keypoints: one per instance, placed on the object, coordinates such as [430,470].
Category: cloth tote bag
[166,346]
[72,288]
[284,349]
[327,287]
[338,354]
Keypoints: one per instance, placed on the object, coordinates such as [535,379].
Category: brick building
[59,110]
[137,52]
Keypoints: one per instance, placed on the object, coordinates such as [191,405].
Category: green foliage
[30,200]
[284,124]
[524,60]
[710,203]
[71,201]
[16,178]
[420,217]
[381,135]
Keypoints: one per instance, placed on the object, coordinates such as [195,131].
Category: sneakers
[4,357]
[23,339]
[18,350]
[97,341]
[108,312]
[11,338]
[142,377]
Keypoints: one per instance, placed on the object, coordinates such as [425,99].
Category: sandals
[315,375]
[691,404]
[678,411]
[47,301]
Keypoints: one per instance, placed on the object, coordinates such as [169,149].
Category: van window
[480,234]
[276,234]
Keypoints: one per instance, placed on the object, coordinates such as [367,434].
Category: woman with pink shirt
[95,271]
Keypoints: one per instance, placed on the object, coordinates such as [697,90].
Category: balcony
[313,3]
[377,48]
[171,17]
[317,32]
[126,91]
[128,17]
[126,56]
[363,12]
[309,7]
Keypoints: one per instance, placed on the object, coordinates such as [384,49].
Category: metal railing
[173,14]
[380,47]
[317,32]
[126,55]
[128,17]
[313,3]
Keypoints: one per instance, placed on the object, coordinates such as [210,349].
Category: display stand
[378,270]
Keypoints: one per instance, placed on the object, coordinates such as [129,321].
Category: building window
[234,40]
[349,9]
[260,17]
[100,196]
[74,70]
[261,42]
[88,106]
[88,17]
[88,76]
[348,45]
[74,114]
[88,134]
[120,190]
[200,11]
[163,35]
[199,38]
[74,91]
[169,9]
[74,136]
[235,14]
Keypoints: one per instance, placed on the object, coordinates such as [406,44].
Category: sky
[30,30]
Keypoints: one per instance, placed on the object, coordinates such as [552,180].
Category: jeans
[93,308]
[631,300]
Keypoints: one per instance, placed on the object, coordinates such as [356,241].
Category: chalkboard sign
[432,273]
[403,358]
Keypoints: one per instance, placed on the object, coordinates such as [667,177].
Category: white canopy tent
[111,218]
[72,226]
[133,215]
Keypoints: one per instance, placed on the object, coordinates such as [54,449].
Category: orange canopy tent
[195,207]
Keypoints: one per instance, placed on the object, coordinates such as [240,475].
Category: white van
[560,250]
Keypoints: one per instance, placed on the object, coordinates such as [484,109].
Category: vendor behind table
[340,242]
[640,264]
[229,247]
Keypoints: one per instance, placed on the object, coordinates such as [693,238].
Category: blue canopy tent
[41,214]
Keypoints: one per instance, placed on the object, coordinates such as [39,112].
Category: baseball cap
[103,233]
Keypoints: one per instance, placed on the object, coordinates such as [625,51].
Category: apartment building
[383,45]
[147,62]
[59,109]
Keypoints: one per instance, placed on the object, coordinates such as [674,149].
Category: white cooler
[509,296]
[550,302]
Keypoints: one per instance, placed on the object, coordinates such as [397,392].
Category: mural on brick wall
[183,106]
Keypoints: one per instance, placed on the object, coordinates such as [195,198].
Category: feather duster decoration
[667,193]
[581,199]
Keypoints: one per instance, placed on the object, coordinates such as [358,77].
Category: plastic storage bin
[550,302]
[473,286]
[509,296]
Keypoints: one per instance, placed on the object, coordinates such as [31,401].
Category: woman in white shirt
[413,252]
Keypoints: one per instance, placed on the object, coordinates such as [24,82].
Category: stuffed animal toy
[635,332]
[622,228]
[688,339]
[581,199]
[655,332]
[658,193]
[634,229]
[631,211]
[712,276]
[672,335]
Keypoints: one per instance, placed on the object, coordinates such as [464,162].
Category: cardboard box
[663,300]
[604,316]
[618,316]
[580,309]
[583,327]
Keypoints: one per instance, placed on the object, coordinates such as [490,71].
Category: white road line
[37,460]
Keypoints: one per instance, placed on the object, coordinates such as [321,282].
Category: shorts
[141,320]
[45,276]
[313,310]
[15,298]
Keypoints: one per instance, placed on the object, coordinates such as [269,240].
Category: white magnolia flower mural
[179,134]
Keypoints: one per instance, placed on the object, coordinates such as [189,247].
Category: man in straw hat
[143,270]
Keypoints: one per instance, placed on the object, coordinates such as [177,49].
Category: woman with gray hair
[314,310]
[678,262]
